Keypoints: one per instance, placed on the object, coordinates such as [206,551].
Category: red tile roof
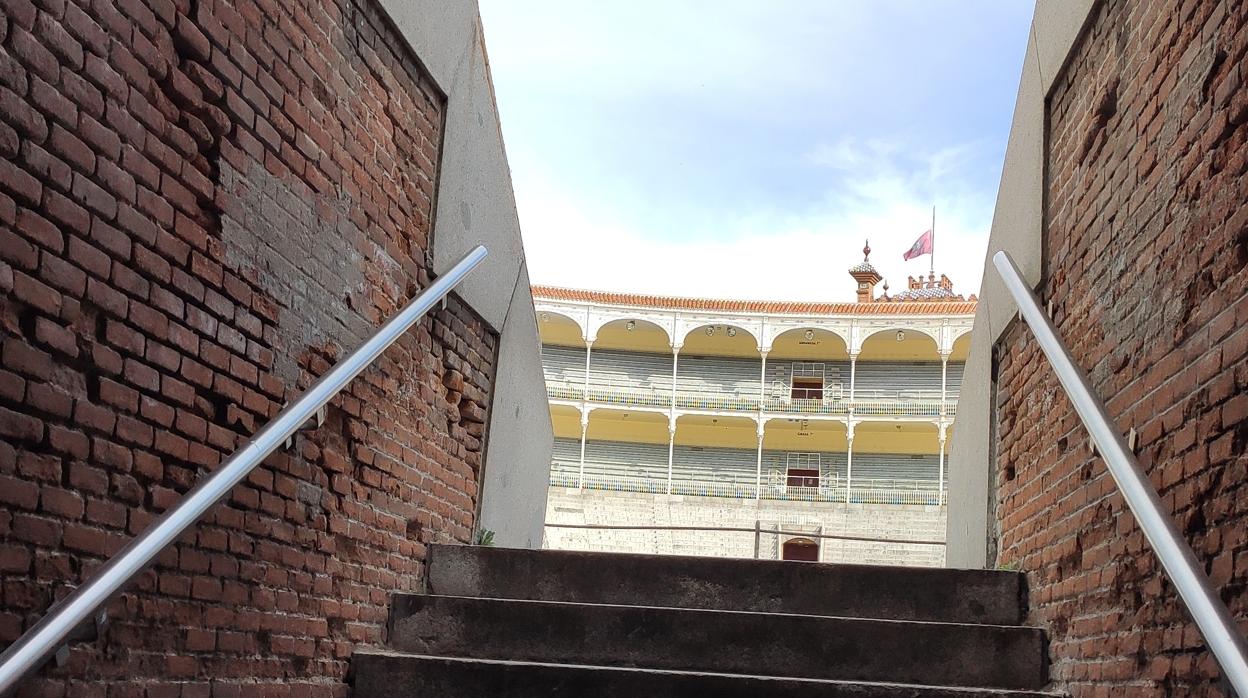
[769,307]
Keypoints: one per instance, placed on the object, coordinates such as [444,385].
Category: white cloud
[745,149]
[768,254]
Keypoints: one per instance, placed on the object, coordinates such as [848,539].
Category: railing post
[758,537]
[1176,555]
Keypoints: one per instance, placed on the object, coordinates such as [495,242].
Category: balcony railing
[862,491]
[900,403]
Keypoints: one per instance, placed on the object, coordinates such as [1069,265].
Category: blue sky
[725,148]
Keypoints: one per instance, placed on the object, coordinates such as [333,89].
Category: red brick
[39,230]
[1094,583]
[36,294]
[19,183]
[19,493]
[53,102]
[32,53]
[95,198]
[150,331]
[56,337]
[61,503]
[62,275]
[68,146]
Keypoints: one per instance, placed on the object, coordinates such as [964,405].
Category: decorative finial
[866,251]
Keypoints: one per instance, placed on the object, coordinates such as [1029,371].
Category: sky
[733,149]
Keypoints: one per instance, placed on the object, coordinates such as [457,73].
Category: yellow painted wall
[883,437]
[719,343]
[559,330]
[823,346]
[883,346]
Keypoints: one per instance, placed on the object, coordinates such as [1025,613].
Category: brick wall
[1146,264]
[203,204]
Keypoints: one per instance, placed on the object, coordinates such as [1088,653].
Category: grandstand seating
[702,382]
[628,460]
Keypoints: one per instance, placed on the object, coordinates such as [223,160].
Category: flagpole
[932,257]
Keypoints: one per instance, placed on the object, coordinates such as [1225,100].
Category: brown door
[802,477]
[807,389]
[800,549]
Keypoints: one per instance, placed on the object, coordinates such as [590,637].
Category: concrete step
[379,674]
[861,591]
[802,646]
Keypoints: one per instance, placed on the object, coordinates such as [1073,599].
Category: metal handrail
[34,647]
[1177,558]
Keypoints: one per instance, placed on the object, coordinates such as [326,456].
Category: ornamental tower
[866,276]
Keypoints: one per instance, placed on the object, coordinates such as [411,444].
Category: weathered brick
[1143,270]
[157,250]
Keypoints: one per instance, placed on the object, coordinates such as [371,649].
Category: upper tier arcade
[894,356]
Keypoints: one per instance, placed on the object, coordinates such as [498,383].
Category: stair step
[860,591]
[381,674]
[804,646]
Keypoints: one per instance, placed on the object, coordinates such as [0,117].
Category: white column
[675,365]
[849,461]
[671,450]
[944,368]
[853,371]
[940,477]
[762,381]
[758,471]
[762,395]
[580,478]
[589,347]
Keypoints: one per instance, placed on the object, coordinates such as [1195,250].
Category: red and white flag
[920,247]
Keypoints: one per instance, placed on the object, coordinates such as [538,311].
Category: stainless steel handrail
[35,646]
[1177,558]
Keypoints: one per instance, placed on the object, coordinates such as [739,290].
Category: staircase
[501,622]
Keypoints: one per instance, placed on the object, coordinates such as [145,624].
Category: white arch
[602,321]
[864,332]
[596,318]
[954,334]
[775,332]
[579,319]
[687,326]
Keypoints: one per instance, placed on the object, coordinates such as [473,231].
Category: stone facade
[203,204]
[1145,264]
[567,505]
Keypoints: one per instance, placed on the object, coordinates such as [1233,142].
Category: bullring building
[813,425]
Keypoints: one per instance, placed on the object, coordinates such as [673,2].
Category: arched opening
[809,344]
[720,340]
[896,462]
[961,348]
[559,330]
[633,335]
[565,458]
[800,549]
[899,344]
[626,450]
